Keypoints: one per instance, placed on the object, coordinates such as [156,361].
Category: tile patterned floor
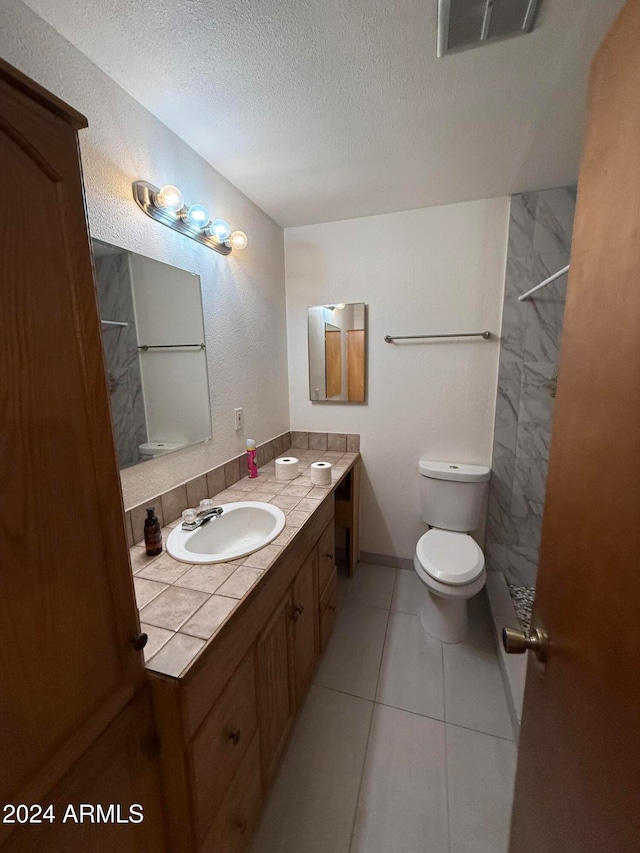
[404,744]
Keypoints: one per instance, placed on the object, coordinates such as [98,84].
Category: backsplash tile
[353,443]
[300,440]
[337,441]
[231,472]
[139,514]
[215,481]
[197,490]
[317,441]
[173,503]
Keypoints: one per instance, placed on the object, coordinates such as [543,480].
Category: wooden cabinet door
[120,774]
[67,609]
[326,556]
[275,696]
[304,617]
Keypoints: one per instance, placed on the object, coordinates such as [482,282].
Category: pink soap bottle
[251,458]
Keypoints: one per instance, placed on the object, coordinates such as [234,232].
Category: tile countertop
[183,606]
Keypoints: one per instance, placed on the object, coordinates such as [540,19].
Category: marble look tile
[473,687]
[215,481]
[172,607]
[529,528]
[497,557]
[411,670]
[336,441]
[294,518]
[176,655]
[372,584]
[263,558]
[313,800]
[146,590]
[351,660]
[514,313]
[173,503]
[523,566]
[500,600]
[206,578]
[555,212]
[500,523]
[240,582]
[403,797]
[522,220]
[507,406]
[529,485]
[545,311]
[308,505]
[299,440]
[502,471]
[409,592]
[163,569]
[353,443]
[317,441]
[209,617]
[480,772]
[536,410]
[139,514]
[157,637]
[232,472]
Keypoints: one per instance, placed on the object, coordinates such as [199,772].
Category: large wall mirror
[154,347]
[337,352]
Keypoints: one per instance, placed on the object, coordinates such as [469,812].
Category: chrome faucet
[202,518]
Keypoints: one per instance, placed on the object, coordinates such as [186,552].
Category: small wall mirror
[337,350]
[154,347]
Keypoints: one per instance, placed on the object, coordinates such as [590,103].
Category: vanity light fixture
[166,205]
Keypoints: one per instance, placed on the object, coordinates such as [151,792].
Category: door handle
[517,642]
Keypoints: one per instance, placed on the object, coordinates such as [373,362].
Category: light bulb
[238,240]
[197,216]
[220,230]
[168,198]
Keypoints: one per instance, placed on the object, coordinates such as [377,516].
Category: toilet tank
[452,494]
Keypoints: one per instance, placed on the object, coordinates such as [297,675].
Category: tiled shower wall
[540,229]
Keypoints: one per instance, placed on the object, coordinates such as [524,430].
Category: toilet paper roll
[321,473]
[286,468]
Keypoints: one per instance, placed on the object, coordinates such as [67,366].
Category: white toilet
[447,560]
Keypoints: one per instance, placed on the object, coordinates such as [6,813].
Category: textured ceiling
[330,110]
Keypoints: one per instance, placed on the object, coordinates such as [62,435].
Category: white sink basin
[243,528]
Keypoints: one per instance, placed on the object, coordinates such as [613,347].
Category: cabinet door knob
[330,556]
[234,737]
[140,642]
[295,615]
[332,608]
[242,823]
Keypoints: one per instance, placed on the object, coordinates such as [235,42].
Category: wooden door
[578,777]
[333,362]
[304,615]
[120,774]
[275,695]
[67,610]
[355,365]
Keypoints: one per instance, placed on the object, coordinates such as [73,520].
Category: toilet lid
[450,557]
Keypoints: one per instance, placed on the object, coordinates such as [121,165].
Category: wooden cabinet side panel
[67,606]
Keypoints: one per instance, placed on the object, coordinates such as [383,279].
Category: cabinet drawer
[222,741]
[326,555]
[236,820]
[328,609]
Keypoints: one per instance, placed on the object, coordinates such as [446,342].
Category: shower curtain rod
[544,283]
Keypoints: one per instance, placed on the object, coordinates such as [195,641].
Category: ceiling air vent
[470,23]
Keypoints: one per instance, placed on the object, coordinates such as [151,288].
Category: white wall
[423,271]
[243,295]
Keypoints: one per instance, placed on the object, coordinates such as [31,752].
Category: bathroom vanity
[225,719]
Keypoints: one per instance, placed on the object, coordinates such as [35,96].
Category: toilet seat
[450,558]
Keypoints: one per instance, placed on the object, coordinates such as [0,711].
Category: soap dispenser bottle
[152,534]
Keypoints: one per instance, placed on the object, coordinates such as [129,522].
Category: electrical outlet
[239,418]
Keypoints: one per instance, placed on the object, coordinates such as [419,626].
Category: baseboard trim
[386,560]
